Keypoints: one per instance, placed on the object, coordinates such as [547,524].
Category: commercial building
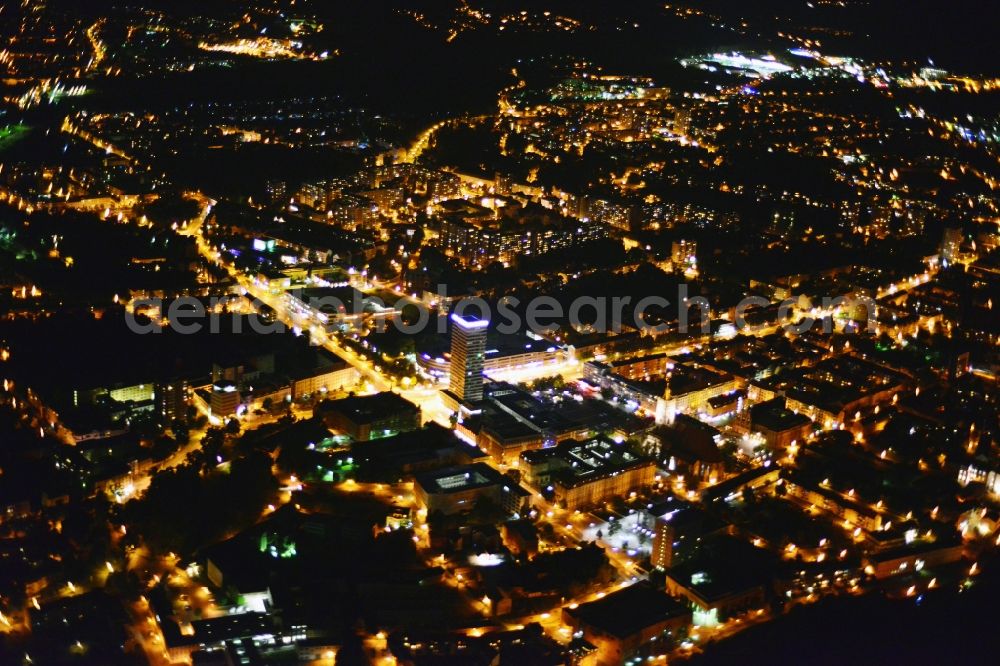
[913,557]
[512,421]
[725,578]
[505,437]
[502,353]
[635,621]
[733,487]
[259,631]
[468,348]
[779,426]
[726,403]
[630,391]
[641,367]
[457,490]
[334,308]
[313,371]
[370,417]
[429,448]
[309,381]
[224,399]
[661,386]
[582,474]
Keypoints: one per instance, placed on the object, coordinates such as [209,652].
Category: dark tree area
[169,209]
[186,508]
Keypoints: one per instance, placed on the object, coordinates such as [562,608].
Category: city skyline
[412,331]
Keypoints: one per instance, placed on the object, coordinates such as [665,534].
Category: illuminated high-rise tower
[468,347]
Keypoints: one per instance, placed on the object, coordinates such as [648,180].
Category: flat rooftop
[461,479]
[368,408]
[725,566]
[232,627]
[774,416]
[688,378]
[587,461]
[629,611]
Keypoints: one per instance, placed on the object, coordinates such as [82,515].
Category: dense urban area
[485,332]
